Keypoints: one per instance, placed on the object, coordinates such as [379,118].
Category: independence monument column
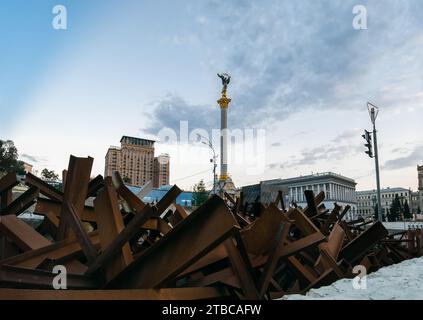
[225,182]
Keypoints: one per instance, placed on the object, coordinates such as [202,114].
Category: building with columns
[338,189]
[367,200]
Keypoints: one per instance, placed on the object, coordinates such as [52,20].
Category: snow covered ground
[403,281]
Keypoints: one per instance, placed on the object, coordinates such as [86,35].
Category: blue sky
[299,70]
[27,43]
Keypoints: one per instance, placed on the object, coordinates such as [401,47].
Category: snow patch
[403,281]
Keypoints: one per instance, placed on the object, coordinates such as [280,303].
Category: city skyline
[305,78]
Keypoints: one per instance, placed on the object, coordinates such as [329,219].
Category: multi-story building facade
[338,189]
[134,160]
[161,170]
[367,200]
[27,167]
[415,202]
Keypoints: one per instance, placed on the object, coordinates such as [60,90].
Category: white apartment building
[367,200]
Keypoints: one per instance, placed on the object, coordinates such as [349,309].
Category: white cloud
[296,67]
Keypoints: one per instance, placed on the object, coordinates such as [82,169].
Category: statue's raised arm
[226,78]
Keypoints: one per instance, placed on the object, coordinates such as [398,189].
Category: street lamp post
[373,112]
[210,145]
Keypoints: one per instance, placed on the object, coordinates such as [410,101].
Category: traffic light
[367,136]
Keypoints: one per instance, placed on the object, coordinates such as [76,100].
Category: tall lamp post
[208,143]
[373,112]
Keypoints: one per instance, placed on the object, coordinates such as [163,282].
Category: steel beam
[45,206]
[23,202]
[134,203]
[72,219]
[8,182]
[65,249]
[333,217]
[44,187]
[18,277]
[203,230]
[110,224]
[76,190]
[358,247]
[25,237]
[140,294]
[259,236]
[94,185]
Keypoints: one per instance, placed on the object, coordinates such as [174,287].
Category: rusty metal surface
[131,229]
[123,248]
[157,224]
[358,247]
[74,195]
[110,224]
[49,225]
[134,203]
[138,294]
[213,256]
[259,235]
[8,182]
[22,203]
[178,215]
[94,186]
[212,221]
[72,219]
[25,237]
[280,238]
[242,268]
[18,277]
[44,187]
[65,249]
[45,206]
